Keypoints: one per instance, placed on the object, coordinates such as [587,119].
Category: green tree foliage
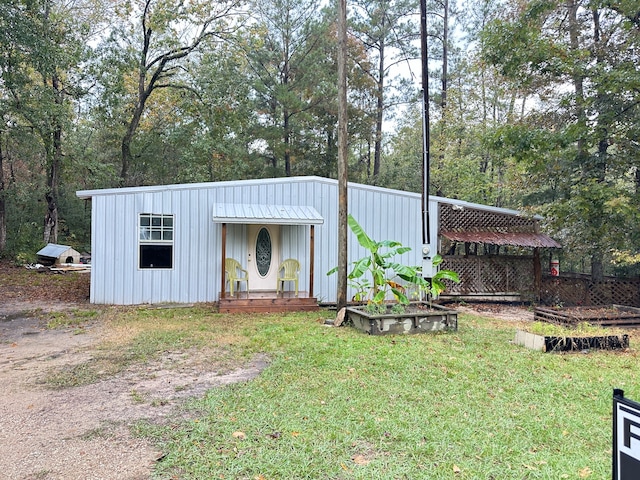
[580,60]
[539,111]
[387,31]
[40,80]
[220,116]
[285,78]
[151,44]
[463,162]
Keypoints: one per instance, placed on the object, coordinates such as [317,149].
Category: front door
[263,256]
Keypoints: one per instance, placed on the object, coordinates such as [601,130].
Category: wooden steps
[268,302]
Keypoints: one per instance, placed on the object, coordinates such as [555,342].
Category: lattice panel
[577,291]
[490,275]
[466,219]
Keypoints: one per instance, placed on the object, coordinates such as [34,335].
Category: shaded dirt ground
[497,310]
[81,432]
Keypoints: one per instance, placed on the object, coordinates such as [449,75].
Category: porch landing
[267,302]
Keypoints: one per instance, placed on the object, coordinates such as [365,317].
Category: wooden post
[343,150]
[537,273]
[224,256]
[311,259]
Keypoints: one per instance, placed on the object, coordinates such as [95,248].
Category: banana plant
[379,265]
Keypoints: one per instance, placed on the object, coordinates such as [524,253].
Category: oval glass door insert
[263,252]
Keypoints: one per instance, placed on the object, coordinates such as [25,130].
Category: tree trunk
[287,143]
[597,268]
[445,54]
[125,173]
[591,168]
[600,163]
[343,148]
[377,149]
[578,78]
[51,217]
[55,162]
[143,95]
[3,207]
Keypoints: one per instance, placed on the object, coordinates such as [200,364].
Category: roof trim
[462,204]
[516,239]
[266,214]
[88,194]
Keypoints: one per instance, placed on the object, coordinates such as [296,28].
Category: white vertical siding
[295,243]
[326,239]
[384,215]
[195,277]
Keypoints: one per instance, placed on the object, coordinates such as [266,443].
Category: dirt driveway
[81,432]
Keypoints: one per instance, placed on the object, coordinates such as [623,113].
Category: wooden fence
[578,290]
[491,275]
[511,277]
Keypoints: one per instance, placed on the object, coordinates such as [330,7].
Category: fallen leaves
[585,472]
[22,284]
[360,460]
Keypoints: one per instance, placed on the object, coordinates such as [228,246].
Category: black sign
[626,437]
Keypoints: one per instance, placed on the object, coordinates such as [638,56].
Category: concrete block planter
[417,318]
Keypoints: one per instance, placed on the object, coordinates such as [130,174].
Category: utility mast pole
[427,254]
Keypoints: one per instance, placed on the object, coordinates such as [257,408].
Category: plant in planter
[374,275]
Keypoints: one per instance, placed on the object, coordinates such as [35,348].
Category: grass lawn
[335,403]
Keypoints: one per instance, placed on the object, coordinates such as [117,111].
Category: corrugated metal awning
[511,238]
[267,214]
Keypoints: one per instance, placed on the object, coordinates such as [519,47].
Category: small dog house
[54,254]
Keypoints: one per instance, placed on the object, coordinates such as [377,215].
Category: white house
[166,243]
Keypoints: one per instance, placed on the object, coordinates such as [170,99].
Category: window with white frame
[155,238]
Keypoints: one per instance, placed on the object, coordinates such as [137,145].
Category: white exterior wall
[116,279]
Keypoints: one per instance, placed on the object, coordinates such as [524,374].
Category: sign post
[626,437]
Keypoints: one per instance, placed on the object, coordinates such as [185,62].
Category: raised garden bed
[417,318]
[608,316]
[554,343]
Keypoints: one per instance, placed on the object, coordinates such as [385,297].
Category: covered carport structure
[497,252]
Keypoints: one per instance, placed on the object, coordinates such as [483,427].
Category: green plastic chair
[235,272]
[288,272]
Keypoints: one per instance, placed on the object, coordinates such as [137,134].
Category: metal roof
[87,194]
[516,239]
[53,250]
[266,214]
